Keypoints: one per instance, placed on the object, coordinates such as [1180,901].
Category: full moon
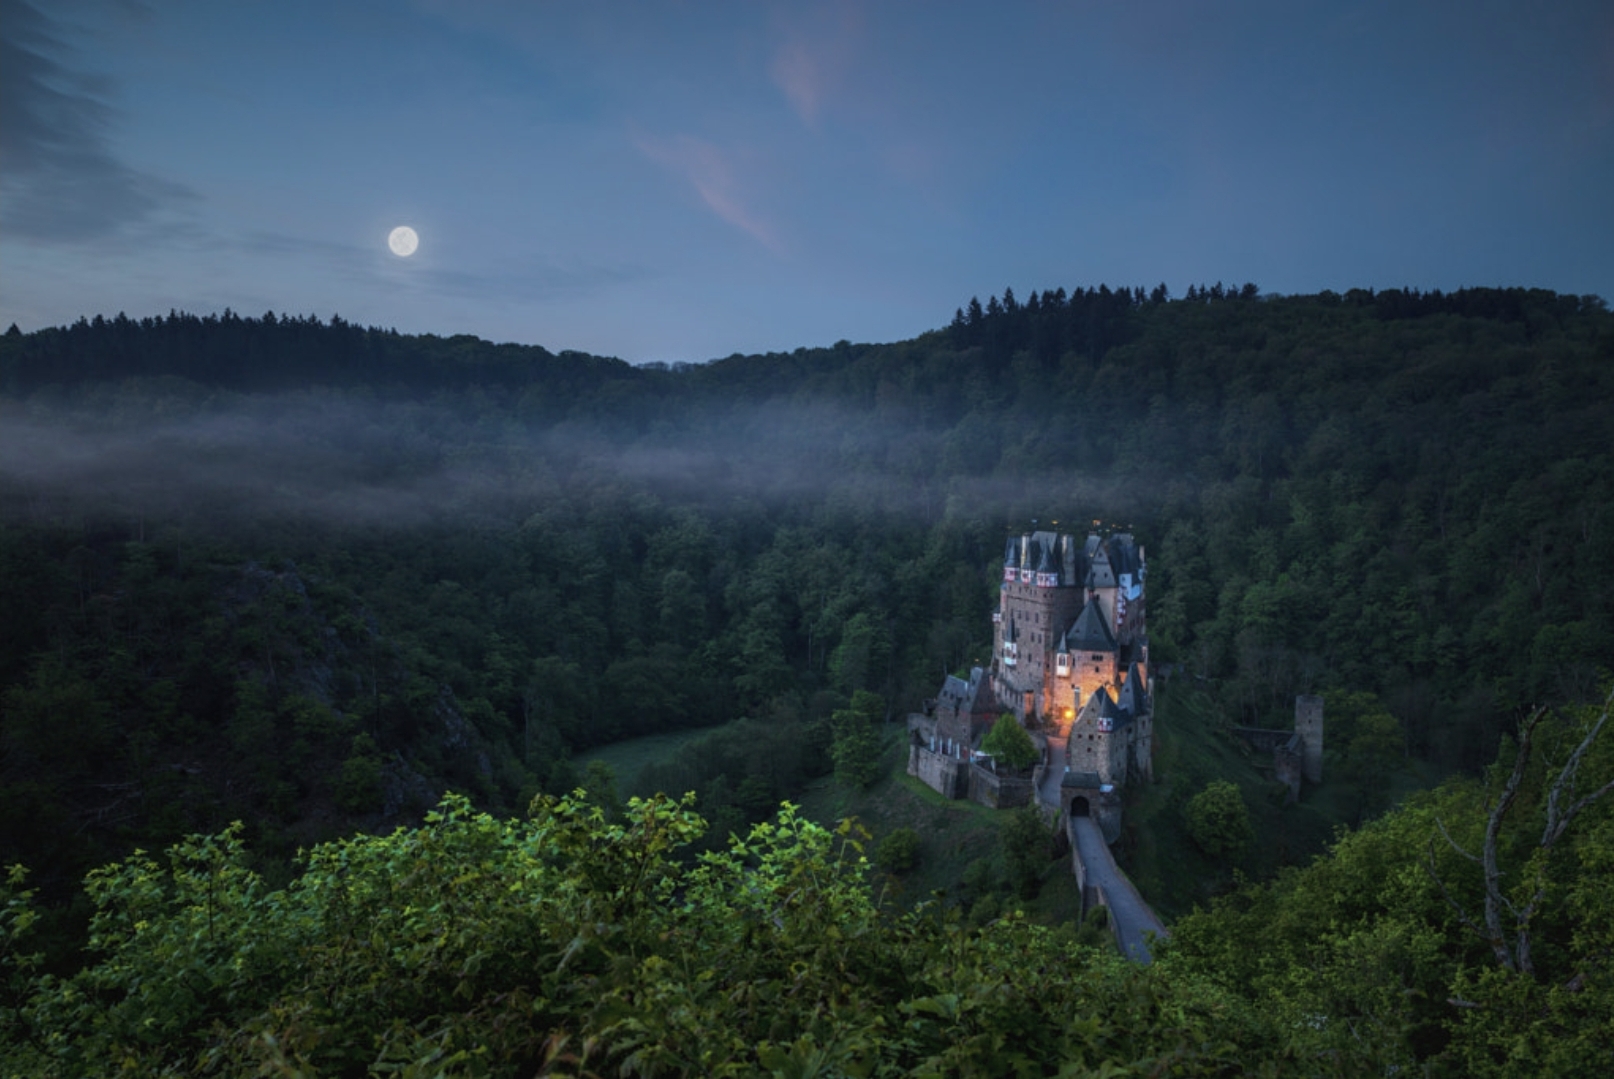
[403,241]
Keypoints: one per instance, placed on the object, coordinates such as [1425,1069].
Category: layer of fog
[356,461]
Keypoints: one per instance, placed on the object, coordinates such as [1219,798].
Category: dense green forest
[312,576]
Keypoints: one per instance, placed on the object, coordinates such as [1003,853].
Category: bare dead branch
[1494,900]
[1515,955]
[1452,843]
[1462,915]
[1556,823]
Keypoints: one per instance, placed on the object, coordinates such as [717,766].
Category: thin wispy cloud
[796,71]
[812,62]
[712,173]
[59,177]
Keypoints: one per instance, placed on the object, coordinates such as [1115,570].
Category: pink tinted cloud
[711,172]
[798,73]
[812,62]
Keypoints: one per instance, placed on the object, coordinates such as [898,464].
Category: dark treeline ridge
[284,352]
[310,576]
[278,352]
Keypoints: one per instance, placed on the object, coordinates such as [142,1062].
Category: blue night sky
[679,181]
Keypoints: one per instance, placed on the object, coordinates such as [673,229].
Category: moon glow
[403,241]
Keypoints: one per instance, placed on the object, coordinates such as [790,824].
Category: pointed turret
[1011,560]
[1134,696]
[1047,564]
[1100,574]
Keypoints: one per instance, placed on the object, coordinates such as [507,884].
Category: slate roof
[1091,631]
[1059,553]
[954,691]
[1123,552]
[1081,779]
[1119,718]
[972,690]
[1134,698]
[1073,561]
[1100,574]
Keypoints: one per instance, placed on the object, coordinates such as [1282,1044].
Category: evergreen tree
[856,746]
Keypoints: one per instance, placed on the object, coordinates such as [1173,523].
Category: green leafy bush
[573,944]
[899,851]
[1218,821]
[1009,743]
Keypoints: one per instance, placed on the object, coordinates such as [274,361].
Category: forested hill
[311,577]
[299,572]
[282,353]
[1382,387]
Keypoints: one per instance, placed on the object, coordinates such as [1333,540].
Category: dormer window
[1062,664]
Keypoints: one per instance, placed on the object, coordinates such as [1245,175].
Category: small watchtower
[1309,725]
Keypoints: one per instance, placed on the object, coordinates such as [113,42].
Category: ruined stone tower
[1309,725]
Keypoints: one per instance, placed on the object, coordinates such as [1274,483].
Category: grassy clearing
[626,759]
[953,836]
[959,840]
[1195,748]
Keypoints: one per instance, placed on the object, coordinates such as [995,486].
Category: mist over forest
[336,458]
[313,576]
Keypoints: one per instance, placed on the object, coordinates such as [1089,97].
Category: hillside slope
[1397,495]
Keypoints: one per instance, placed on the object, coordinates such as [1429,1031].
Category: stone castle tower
[1070,660]
[1309,725]
[1070,621]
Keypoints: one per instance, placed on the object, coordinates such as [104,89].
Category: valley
[400,596]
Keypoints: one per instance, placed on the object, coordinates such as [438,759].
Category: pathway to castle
[1049,791]
[1130,916]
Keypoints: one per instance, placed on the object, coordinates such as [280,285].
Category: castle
[1070,661]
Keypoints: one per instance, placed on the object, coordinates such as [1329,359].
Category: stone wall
[999,791]
[1295,753]
[1262,740]
[947,776]
[1104,806]
[1287,764]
